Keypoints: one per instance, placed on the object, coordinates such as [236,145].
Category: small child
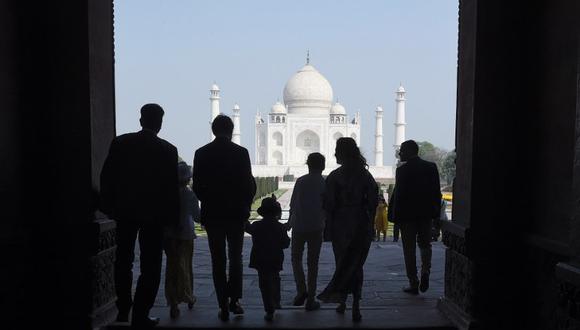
[269,239]
[178,247]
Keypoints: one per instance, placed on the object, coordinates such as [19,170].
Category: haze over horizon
[171,52]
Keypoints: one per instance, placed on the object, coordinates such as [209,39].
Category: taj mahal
[309,121]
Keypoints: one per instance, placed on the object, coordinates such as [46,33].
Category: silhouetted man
[139,189]
[223,182]
[416,200]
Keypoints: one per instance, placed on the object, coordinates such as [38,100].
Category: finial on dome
[307,57]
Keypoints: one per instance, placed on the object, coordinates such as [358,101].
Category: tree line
[445,160]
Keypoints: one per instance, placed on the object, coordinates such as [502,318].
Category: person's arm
[173,188]
[195,214]
[108,179]
[293,201]
[436,186]
[249,227]
[285,239]
[372,197]
[329,204]
[391,206]
[198,180]
[250,181]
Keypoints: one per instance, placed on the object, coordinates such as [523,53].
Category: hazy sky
[171,51]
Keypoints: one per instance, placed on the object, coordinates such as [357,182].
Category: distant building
[308,121]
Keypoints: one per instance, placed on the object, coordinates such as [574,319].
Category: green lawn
[258,202]
[200,232]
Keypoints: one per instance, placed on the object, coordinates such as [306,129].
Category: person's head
[222,126]
[183,173]
[315,162]
[409,149]
[348,154]
[151,117]
[270,208]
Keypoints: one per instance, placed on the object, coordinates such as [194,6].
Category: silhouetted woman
[350,202]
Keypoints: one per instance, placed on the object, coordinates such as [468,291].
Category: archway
[306,143]
[278,138]
[278,157]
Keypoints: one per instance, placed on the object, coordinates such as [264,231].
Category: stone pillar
[60,106]
[510,244]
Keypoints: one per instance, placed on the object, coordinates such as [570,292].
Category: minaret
[379,137]
[236,117]
[214,99]
[400,119]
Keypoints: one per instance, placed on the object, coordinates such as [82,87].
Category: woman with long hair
[350,203]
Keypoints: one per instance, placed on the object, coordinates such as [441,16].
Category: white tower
[379,137]
[214,99]
[236,117]
[400,119]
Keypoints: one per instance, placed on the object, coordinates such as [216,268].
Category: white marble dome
[308,92]
[278,108]
[338,109]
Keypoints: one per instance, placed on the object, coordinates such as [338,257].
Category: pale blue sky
[170,52]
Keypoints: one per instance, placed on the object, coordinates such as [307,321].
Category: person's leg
[357,294]
[151,254]
[276,287]
[297,250]
[313,255]
[265,282]
[190,270]
[235,238]
[185,249]
[338,247]
[409,236]
[216,239]
[424,243]
[171,272]
[396,230]
[125,255]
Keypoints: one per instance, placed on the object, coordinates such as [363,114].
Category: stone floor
[384,305]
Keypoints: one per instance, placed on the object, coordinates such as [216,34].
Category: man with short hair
[223,182]
[416,201]
[307,224]
[139,190]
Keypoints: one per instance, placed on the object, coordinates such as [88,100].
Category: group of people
[145,189]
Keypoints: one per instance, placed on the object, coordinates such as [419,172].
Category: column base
[459,318]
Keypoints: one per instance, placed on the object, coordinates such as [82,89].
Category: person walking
[269,239]
[178,247]
[307,224]
[350,203]
[223,182]
[416,202]
[139,190]
[381,222]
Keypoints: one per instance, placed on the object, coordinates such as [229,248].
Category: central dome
[308,92]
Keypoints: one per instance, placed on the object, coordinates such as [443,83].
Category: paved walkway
[384,305]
